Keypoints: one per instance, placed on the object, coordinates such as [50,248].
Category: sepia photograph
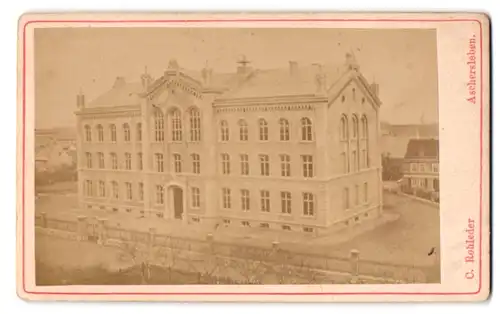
[280,159]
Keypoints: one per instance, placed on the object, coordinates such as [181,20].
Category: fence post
[43,220]
[102,230]
[354,257]
[210,240]
[82,228]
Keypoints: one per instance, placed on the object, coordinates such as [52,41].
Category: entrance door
[178,202]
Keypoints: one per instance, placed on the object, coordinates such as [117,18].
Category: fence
[273,255]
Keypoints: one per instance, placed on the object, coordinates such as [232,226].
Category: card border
[232,20]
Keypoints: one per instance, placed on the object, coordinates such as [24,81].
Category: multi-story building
[421,167]
[288,149]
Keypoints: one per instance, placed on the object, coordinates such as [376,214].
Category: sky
[402,61]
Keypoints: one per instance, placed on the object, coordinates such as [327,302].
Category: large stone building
[292,149]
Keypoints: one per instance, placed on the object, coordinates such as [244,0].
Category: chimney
[319,78]
[80,100]
[243,69]
[375,88]
[293,68]
[206,74]
[119,82]
[350,61]
[146,79]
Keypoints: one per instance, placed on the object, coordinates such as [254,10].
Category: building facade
[292,149]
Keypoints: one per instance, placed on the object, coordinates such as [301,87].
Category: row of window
[346,196]
[112,133]
[264,165]
[113,159]
[424,167]
[426,183]
[344,127]
[263,225]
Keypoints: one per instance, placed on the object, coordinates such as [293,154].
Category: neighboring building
[53,153]
[393,152]
[285,149]
[423,130]
[421,167]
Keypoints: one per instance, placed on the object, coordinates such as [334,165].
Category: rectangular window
[365,192]
[307,166]
[244,165]
[435,167]
[113,133]
[245,224]
[196,163]
[139,132]
[345,162]
[265,202]
[177,163]
[114,161]
[116,192]
[308,204]
[285,165]
[195,197]
[159,162]
[264,225]
[422,167]
[364,163]
[354,162]
[141,191]
[128,189]
[286,228]
[100,160]
[88,188]
[307,229]
[345,198]
[226,166]
[102,189]
[286,202]
[128,161]
[413,167]
[245,200]
[264,165]
[160,194]
[88,159]
[139,161]
[126,133]
[226,198]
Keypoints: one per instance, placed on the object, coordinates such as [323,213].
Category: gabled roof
[422,148]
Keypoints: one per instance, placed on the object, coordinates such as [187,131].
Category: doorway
[178,202]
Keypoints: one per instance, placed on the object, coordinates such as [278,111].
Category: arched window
[196,163]
[126,132]
[354,93]
[366,142]
[243,130]
[284,130]
[306,126]
[159,125]
[177,163]
[355,127]
[355,144]
[88,133]
[344,128]
[176,124]
[364,127]
[226,164]
[195,125]
[114,187]
[224,131]
[112,131]
[263,130]
[100,133]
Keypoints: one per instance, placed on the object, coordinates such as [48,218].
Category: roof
[122,93]
[394,146]
[422,148]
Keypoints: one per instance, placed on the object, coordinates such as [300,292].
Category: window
[286,228]
[224,131]
[245,224]
[364,134]
[88,159]
[159,162]
[245,200]
[345,198]
[139,161]
[102,188]
[176,126]
[226,221]
[244,164]
[112,131]
[139,132]
[363,158]
[355,127]
[195,125]
[243,130]
[196,163]
[344,128]
[195,197]
[114,188]
[306,129]
[160,194]
[128,190]
[141,191]
[309,229]
[126,132]
[88,188]
[100,160]
[435,185]
[435,167]
[88,133]
[285,165]
[128,161]
[365,192]
[264,165]
[265,202]
[226,166]
[413,167]
[345,162]
[263,130]
[114,161]
[159,125]
[100,133]
[414,182]
[226,198]
[264,225]
[284,130]
[177,163]
[307,166]
[354,161]
[356,195]
[422,167]
[353,93]
[308,204]
[364,127]
[286,202]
